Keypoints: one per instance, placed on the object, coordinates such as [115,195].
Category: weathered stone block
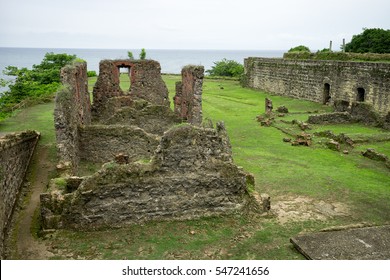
[282,109]
[374,155]
[333,145]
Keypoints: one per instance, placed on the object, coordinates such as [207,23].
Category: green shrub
[374,40]
[39,83]
[324,51]
[142,54]
[300,48]
[226,68]
[91,73]
[130,55]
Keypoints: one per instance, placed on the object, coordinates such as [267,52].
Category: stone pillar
[177,99]
[268,106]
[107,84]
[72,109]
[188,98]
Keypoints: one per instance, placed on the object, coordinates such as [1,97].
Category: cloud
[227,24]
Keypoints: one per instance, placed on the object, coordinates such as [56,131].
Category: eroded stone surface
[369,243]
[293,209]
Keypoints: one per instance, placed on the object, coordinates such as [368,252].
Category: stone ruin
[356,112]
[154,166]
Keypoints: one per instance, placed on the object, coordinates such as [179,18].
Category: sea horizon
[171,60]
[186,49]
[27,56]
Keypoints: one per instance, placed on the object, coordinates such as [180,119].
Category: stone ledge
[368,243]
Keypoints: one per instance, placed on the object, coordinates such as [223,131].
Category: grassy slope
[280,170]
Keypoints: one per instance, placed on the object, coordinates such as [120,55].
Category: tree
[374,40]
[142,54]
[42,80]
[130,55]
[300,48]
[227,68]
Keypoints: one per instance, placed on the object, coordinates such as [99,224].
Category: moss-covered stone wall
[16,150]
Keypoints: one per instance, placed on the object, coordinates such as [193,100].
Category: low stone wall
[359,112]
[330,118]
[16,151]
[190,175]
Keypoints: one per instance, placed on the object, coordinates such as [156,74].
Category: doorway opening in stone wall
[125,78]
[361,94]
[326,96]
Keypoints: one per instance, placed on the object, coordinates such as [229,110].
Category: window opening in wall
[125,78]
[326,96]
[360,94]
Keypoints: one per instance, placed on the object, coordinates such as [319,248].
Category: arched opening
[326,96]
[361,94]
[125,78]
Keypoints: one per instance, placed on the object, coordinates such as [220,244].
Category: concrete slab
[368,243]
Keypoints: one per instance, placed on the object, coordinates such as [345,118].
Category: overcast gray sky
[187,24]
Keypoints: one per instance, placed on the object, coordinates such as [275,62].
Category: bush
[226,68]
[300,48]
[91,73]
[142,54]
[324,51]
[39,83]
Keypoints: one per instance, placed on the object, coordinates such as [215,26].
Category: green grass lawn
[281,170]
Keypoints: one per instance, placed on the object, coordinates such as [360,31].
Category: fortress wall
[322,81]
[16,151]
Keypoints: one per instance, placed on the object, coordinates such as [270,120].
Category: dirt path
[28,247]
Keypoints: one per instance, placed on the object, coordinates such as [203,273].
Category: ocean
[171,61]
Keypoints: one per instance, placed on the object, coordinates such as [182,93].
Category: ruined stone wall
[307,79]
[190,175]
[73,108]
[16,151]
[145,79]
[154,119]
[188,98]
[161,171]
[101,143]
